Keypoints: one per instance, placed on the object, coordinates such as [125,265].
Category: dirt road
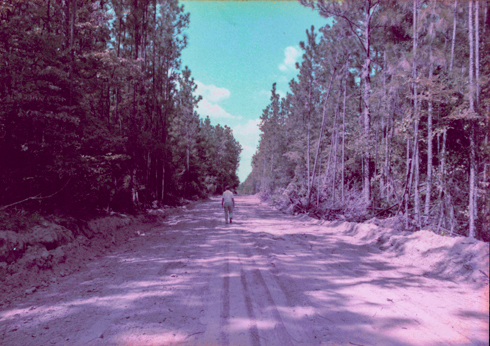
[266,279]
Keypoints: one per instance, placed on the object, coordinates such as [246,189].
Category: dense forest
[388,115]
[97,111]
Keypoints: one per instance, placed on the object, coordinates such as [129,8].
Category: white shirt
[228,196]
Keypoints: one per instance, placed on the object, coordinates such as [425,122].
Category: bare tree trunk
[272,160]
[387,163]
[415,164]
[154,110]
[48,9]
[445,195]
[73,10]
[477,98]
[454,35]
[366,74]
[485,165]
[163,183]
[343,132]
[136,30]
[119,36]
[334,175]
[471,61]
[156,168]
[148,173]
[308,184]
[442,173]
[477,53]
[330,153]
[406,194]
[384,130]
[376,133]
[429,149]
[264,171]
[321,133]
[319,188]
[486,200]
[187,167]
[472,211]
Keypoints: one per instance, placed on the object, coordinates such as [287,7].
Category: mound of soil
[457,258]
[454,258]
[37,257]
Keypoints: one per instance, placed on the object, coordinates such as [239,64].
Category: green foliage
[283,163]
[96,110]
[19,220]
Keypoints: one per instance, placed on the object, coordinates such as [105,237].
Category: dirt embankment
[457,258]
[57,248]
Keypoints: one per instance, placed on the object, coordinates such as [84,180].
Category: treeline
[388,115]
[96,111]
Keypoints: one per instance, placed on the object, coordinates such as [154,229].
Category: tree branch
[34,197]
[325,12]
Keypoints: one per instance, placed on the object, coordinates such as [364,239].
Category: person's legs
[231,213]
[226,213]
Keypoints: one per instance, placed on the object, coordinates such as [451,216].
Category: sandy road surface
[266,279]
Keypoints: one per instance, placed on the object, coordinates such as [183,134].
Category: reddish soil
[265,279]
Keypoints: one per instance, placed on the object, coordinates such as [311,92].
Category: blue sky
[236,50]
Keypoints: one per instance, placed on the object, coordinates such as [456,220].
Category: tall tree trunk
[366,75]
[136,30]
[336,137]
[477,54]
[472,209]
[429,148]
[271,175]
[446,199]
[406,193]
[73,9]
[485,199]
[154,110]
[48,24]
[454,35]
[447,193]
[308,184]
[147,177]
[343,132]
[330,154]
[384,130]
[264,172]
[477,105]
[321,133]
[119,36]
[187,163]
[415,164]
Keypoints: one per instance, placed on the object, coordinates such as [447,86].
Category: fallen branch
[382,211]
[34,197]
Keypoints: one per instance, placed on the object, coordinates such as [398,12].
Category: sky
[236,51]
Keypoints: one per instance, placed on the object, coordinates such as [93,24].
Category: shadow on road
[266,279]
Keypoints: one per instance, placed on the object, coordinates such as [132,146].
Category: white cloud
[291,56]
[211,96]
[211,92]
[206,108]
[249,132]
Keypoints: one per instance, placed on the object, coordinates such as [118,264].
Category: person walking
[228,203]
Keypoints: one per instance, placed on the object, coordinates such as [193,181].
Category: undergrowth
[19,220]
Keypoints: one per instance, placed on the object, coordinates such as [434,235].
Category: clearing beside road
[266,279]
